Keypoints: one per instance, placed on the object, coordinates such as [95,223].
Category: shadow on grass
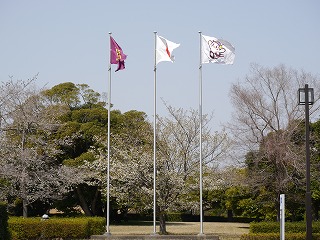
[244,227]
[133,223]
[147,223]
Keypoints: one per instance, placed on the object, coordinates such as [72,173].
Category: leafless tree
[266,101]
[265,120]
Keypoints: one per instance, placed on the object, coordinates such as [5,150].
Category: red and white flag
[164,49]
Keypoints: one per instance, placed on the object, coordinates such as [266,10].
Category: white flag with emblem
[216,50]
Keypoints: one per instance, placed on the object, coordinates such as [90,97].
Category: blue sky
[68,41]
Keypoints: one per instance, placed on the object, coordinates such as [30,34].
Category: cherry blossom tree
[28,155]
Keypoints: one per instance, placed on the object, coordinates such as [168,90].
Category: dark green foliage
[185,217]
[96,115]
[66,228]
[174,217]
[315,166]
[78,161]
[64,93]
[85,128]
[4,233]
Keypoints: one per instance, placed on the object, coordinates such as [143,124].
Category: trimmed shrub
[4,232]
[24,228]
[271,230]
[66,228]
[96,226]
[264,227]
[276,236]
[260,236]
[290,227]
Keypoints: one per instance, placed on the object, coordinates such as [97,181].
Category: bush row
[276,236]
[66,228]
[290,227]
[4,233]
[182,217]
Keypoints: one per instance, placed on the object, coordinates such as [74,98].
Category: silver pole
[200,117]
[282,217]
[154,137]
[108,170]
[308,183]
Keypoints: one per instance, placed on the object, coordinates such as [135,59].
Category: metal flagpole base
[107,234]
[201,235]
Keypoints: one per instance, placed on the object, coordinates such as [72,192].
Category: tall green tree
[82,139]
[130,165]
[315,167]
[84,120]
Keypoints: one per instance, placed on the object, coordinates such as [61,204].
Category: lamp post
[307,100]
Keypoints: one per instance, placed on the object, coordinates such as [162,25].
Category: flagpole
[154,136]
[200,139]
[108,167]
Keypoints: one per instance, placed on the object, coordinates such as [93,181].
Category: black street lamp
[306,97]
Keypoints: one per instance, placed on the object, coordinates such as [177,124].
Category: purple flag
[116,54]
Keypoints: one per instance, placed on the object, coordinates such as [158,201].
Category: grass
[225,230]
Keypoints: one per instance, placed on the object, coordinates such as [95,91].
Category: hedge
[290,227]
[276,236]
[4,232]
[271,230]
[66,228]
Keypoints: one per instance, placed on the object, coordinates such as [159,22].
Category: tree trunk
[96,204]
[277,206]
[24,198]
[24,208]
[83,203]
[162,222]
[230,215]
